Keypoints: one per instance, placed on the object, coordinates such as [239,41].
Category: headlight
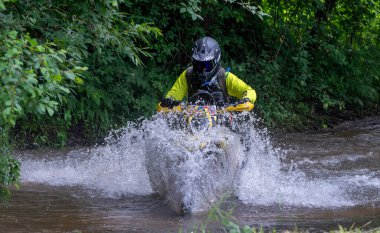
[199,124]
[199,118]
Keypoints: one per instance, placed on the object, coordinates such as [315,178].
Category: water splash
[126,163]
[193,171]
[114,169]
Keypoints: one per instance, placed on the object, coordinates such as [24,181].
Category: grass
[218,220]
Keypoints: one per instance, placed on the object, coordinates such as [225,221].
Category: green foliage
[255,10]
[9,168]
[224,221]
[355,229]
[9,175]
[192,9]
[34,78]
[217,218]
[2,3]
[96,35]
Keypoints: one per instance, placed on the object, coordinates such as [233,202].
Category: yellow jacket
[235,87]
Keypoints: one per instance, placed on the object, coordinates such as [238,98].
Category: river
[314,181]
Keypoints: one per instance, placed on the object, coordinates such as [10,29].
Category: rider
[206,74]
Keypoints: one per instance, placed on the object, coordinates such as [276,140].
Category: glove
[242,101]
[169,102]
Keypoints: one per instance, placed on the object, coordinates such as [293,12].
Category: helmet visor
[203,66]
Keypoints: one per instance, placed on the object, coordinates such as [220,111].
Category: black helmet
[206,58]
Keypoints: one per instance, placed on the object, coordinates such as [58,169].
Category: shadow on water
[313,180]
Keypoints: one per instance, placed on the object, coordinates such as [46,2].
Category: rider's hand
[169,102]
[243,101]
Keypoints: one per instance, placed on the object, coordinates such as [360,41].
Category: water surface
[314,181]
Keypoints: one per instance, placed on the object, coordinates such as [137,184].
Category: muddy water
[314,181]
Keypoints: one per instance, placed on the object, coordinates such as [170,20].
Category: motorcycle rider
[207,75]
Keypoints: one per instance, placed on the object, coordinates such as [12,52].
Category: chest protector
[216,85]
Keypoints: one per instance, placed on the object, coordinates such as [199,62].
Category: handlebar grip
[177,108]
[247,106]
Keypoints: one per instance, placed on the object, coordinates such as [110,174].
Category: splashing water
[267,181]
[145,157]
[193,171]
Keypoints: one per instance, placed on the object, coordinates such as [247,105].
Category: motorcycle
[191,178]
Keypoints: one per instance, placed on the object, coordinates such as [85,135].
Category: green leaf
[64,89]
[32,42]
[80,68]
[8,103]
[79,81]
[40,48]
[18,108]
[70,75]
[53,103]
[33,92]
[41,108]
[193,16]
[67,116]
[57,77]
[12,34]
[56,57]
[7,111]
[50,110]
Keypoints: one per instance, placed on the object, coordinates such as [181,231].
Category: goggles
[203,66]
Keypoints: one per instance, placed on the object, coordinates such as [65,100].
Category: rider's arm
[239,89]
[179,89]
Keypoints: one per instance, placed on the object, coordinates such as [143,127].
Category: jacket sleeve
[239,89]
[179,89]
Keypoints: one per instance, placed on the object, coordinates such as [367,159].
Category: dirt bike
[197,166]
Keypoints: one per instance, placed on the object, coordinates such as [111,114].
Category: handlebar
[247,106]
